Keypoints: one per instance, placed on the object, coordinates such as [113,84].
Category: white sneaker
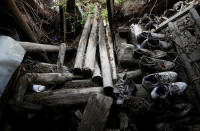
[153,80]
[165,90]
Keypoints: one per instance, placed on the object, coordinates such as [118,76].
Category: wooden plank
[96,113]
[111,53]
[105,65]
[79,84]
[132,74]
[82,47]
[62,96]
[90,55]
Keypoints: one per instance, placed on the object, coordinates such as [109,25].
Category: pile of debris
[150,84]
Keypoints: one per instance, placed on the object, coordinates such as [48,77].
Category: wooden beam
[90,55]
[111,53]
[105,65]
[82,46]
[97,77]
[61,57]
[62,96]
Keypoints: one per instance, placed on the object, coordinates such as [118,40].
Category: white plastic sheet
[11,56]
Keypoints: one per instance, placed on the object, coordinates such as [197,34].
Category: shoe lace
[174,90]
[162,79]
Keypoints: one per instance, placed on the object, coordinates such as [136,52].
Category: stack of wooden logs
[95,55]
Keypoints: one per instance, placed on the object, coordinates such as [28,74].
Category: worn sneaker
[156,44]
[153,64]
[147,35]
[168,89]
[138,53]
[153,80]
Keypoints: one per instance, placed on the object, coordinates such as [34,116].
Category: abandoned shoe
[153,80]
[153,64]
[168,89]
[177,88]
[139,52]
[156,44]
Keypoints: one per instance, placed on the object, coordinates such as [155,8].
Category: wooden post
[96,113]
[64,20]
[62,96]
[90,55]
[111,53]
[97,77]
[105,65]
[82,46]
[61,57]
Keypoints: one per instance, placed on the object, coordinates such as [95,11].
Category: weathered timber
[22,86]
[62,96]
[173,18]
[79,83]
[132,74]
[96,113]
[17,16]
[105,65]
[51,78]
[61,57]
[97,77]
[111,53]
[82,46]
[47,68]
[90,55]
[36,47]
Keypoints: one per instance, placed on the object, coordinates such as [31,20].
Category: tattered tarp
[11,56]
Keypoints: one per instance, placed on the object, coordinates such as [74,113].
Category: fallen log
[47,68]
[131,74]
[97,77]
[36,47]
[96,113]
[17,16]
[111,53]
[90,55]
[62,96]
[50,78]
[82,46]
[61,57]
[79,84]
[105,65]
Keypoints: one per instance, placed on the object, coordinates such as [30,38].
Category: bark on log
[97,77]
[82,46]
[132,74]
[62,96]
[50,78]
[96,113]
[36,47]
[105,65]
[111,53]
[20,20]
[79,84]
[61,57]
[47,68]
[90,55]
